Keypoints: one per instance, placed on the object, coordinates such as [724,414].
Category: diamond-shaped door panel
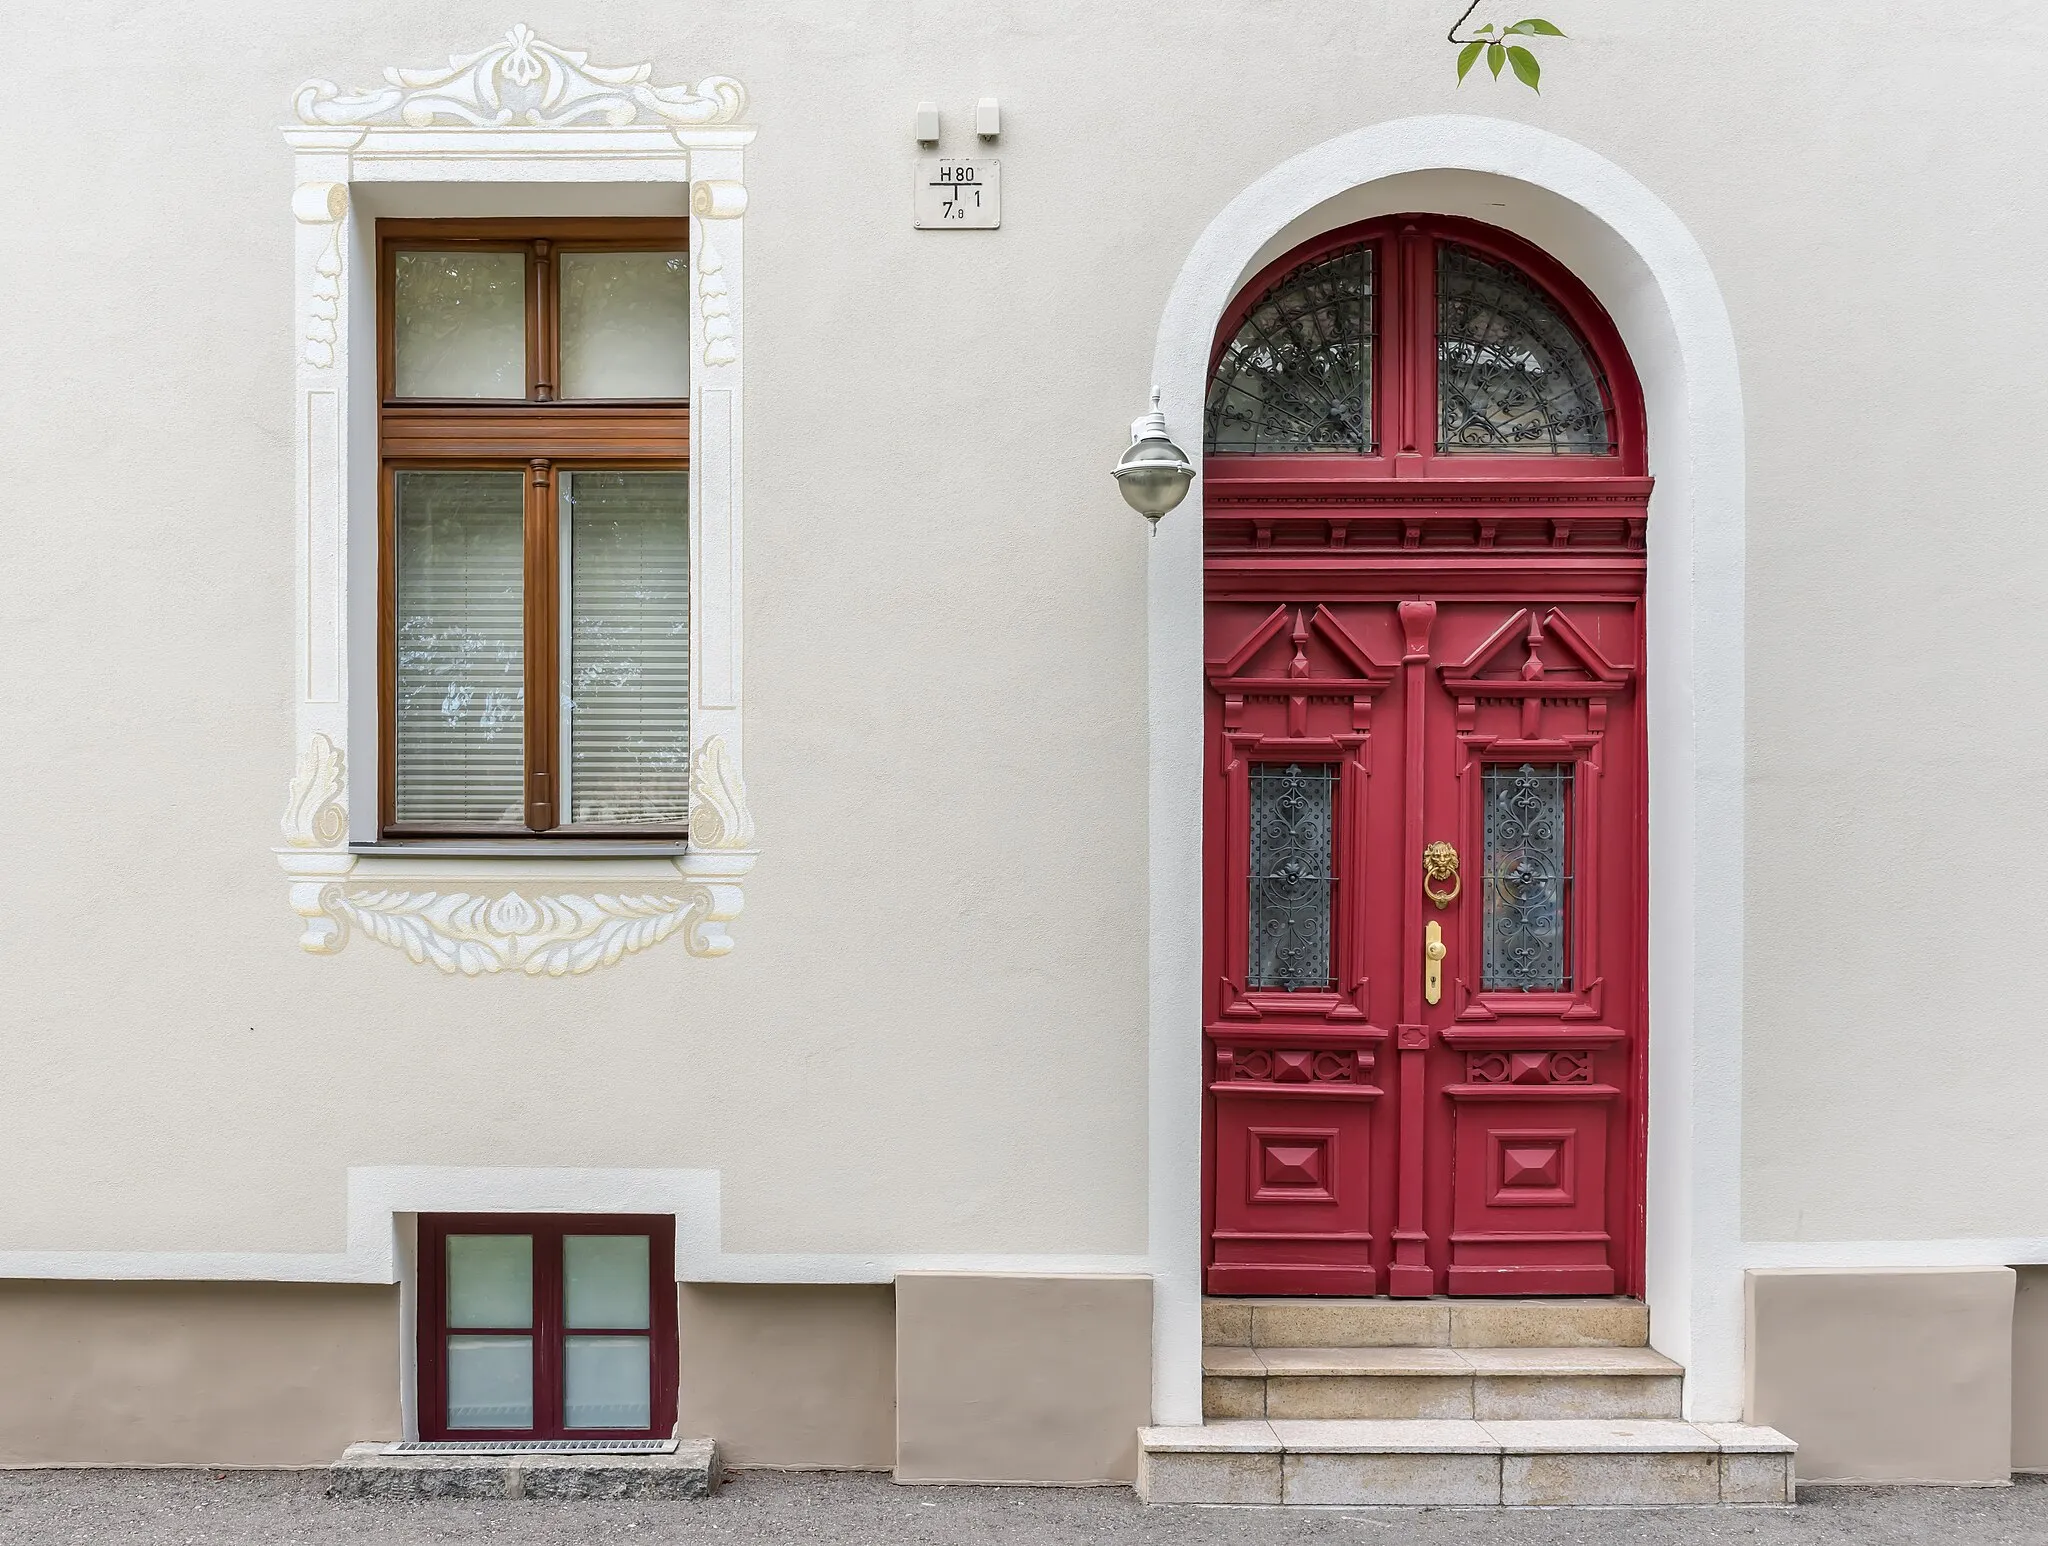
[1529,1193]
[1294,1178]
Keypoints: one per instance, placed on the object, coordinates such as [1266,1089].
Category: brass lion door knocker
[1440,864]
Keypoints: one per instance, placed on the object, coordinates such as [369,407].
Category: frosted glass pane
[1293,817]
[607,1382]
[625,324]
[490,1382]
[461,689]
[1527,881]
[490,1280]
[608,1277]
[459,320]
[626,672]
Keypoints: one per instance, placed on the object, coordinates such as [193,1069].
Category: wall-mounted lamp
[988,118]
[1154,474]
[927,123]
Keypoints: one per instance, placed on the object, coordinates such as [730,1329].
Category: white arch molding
[1655,281]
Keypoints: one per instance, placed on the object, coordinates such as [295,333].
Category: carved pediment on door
[1294,651]
[1531,661]
[1536,657]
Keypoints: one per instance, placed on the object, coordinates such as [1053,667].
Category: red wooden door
[1426,497]
[1370,1132]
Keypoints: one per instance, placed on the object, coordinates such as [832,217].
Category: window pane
[1298,375]
[459,320]
[490,1382]
[607,1382]
[461,689]
[1292,819]
[626,672]
[1528,876]
[607,1281]
[490,1280]
[1512,376]
[625,324]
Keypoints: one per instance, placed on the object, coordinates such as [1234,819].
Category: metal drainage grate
[532,1447]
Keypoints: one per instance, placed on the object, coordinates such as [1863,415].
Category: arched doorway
[1425,853]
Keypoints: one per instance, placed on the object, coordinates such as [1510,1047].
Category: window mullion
[547,1340]
[542,798]
[546,322]
[1417,362]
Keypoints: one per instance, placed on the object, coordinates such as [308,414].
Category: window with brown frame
[546,1326]
[534,557]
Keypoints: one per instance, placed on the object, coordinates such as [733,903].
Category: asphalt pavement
[200,1508]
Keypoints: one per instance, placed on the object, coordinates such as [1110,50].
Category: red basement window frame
[546,1326]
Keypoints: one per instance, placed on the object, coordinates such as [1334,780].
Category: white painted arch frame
[521,128]
[1679,336]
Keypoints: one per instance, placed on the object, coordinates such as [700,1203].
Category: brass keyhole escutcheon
[1433,952]
[1440,864]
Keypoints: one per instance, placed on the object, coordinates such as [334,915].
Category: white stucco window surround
[521,128]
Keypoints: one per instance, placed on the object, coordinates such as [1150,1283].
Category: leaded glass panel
[1293,812]
[1512,376]
[1527,880]
[1298,375]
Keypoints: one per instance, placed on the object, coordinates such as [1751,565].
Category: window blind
[626,646]
[460,689]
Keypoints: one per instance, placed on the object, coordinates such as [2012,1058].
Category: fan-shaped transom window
[1511,374]
[1298,375]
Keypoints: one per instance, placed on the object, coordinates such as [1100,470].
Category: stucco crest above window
[525,81]
[526,116]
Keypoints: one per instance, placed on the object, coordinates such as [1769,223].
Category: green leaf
[1527,70]
[1496,56]
[1486,29]
[1467,57]
[1536,27]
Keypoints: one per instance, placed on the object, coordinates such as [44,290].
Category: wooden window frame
[538,435]
[549,1330]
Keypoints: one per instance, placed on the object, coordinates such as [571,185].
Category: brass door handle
[1440,863]
[1433,952]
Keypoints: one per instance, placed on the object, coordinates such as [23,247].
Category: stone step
[1482,1383]
[1449,1462]
[1425,1323]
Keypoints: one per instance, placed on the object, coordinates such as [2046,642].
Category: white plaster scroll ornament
[555,934]
[314,813]
[716,199]
[323,204]
[523,81]
[716,301]
[719,817]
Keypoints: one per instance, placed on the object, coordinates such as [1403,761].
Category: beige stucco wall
[931,1034]
[798,1375]
[2030,1370]
[1013,1378]
[262,1374]
[1886,1375]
